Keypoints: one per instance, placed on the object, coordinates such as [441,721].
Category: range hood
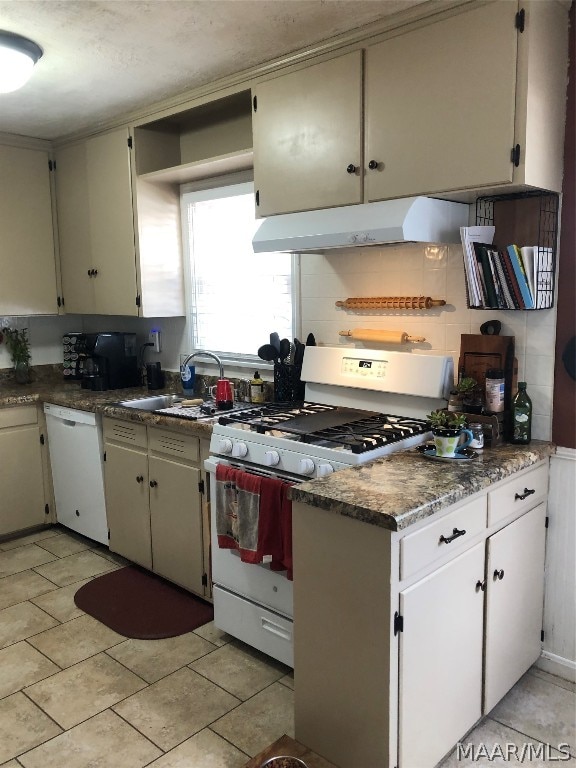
[410,219]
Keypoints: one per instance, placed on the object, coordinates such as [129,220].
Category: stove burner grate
[366,432]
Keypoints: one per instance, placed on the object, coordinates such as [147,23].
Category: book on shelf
[507,292]
[511,278]
[544,277]
[518,267]
[474,277]
[488,283]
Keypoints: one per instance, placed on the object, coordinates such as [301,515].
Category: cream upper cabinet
[119,238]
[476,101]
[96,228]
[440,105]
[307,137]
[471,102]
[28,285]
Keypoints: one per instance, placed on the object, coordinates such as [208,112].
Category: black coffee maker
[108,361]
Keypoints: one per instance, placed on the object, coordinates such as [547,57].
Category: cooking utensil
[390,337]
[298,353]
[275,341]
[284,349]
[268,352]
[391,302]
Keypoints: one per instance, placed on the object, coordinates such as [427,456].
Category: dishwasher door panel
[76,456]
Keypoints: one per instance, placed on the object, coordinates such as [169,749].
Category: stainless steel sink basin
[152,403]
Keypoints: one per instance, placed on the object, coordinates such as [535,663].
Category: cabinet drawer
[174,444]
[518,494]
[422,547]
[126,432]
[19,416]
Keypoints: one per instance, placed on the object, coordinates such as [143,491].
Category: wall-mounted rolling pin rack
[391,302]
[384,337]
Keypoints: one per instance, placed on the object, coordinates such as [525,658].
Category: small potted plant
[463,395]
[446,423]
[18,345]
[447,427]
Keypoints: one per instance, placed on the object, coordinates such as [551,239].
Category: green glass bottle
[521,416]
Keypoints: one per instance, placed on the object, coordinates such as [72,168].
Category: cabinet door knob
[153,483]
[455,534]
[480,586]
[90,272]
[94,272]
[373,164]
[498,575]
[522,496]
[139,479]
[351,168]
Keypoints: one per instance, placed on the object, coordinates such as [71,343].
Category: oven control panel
[364,367]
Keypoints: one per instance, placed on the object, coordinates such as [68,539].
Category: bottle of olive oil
[521,416]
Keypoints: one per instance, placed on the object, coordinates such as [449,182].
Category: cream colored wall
[416,270]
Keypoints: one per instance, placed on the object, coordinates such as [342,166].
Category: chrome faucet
[206,354]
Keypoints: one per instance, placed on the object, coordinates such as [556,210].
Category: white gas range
[360,405]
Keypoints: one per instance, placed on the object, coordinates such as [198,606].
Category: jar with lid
[477,442]
[495,386]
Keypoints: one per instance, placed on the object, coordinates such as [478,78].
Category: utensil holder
[282,383]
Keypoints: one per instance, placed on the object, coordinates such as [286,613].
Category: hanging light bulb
[17,58]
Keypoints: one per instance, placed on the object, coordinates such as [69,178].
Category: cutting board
[478,353]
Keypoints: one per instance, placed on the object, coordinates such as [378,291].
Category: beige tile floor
[75,693]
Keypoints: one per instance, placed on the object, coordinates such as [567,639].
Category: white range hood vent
[410,219]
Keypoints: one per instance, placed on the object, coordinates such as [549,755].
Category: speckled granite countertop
[405,487]
[393,492]
[71,395]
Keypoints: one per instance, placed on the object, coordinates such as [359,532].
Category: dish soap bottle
[256,389]
[521,416]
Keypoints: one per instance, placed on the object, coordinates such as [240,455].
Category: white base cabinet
[154,501]
[440,656]
[409,637]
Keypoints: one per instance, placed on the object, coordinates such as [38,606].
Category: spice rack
[525,218]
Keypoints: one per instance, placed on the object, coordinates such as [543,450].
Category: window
[235,297]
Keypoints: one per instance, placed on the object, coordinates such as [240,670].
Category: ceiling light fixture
[17,58]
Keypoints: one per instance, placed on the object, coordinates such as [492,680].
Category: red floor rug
[136,603]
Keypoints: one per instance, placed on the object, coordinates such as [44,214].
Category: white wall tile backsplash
[416,270]
[401,270]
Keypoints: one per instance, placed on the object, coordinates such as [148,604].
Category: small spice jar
[477,442]
[495,390]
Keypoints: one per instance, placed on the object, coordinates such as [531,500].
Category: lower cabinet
[440,687]
[444,618]
[154,501]
[24,477]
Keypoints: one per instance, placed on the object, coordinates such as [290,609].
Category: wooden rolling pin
[390,337]
[392,302]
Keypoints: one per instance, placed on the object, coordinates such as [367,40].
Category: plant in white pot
[447,428]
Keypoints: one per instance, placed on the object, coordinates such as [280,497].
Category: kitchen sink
[152,403]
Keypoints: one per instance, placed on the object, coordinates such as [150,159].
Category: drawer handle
[455,534]
[522,496]
[481,586]
[275,629]
[498,574]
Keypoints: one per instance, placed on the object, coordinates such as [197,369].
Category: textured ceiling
[103,58]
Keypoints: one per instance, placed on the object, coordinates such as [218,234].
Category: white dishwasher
[76,455]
